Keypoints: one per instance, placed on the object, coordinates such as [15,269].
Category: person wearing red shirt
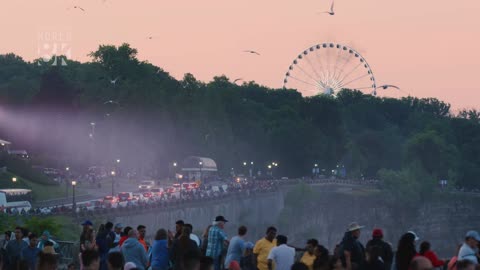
[124,235]
[142,231]
[429,254]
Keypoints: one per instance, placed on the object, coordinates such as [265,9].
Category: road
[91,192]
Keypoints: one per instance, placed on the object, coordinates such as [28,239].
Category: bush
[40,224]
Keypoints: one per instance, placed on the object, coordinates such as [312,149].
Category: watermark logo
[54,48]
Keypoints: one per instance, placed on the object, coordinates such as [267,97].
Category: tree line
[149,119]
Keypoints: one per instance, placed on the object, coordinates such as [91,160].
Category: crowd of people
[117,247]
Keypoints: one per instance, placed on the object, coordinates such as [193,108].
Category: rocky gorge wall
[256,211]
[325,216]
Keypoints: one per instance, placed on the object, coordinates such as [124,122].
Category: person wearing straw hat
[351,251]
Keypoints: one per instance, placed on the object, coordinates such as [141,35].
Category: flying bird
[111,102]
[236,80]
[388,86]
[79,8]
[331,12]
[114,82]
[153,37]
[252,52]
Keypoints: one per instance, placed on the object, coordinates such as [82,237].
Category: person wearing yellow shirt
[309,256]
[262,248]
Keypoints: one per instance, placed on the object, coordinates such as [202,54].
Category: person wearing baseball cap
[385,248]
[469,248]
[352,252]
[216,240]
[87,225]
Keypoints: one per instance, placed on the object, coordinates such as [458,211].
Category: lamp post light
[92,131]
[67,170]
[251,169]
[14,179]
[118,161]
[201,167]
[113,173]
[74,204]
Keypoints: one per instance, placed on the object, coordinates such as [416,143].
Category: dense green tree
[150,119]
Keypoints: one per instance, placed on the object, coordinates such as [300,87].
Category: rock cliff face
[256,212]
[325,216]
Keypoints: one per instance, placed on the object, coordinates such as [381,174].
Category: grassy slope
[40,192]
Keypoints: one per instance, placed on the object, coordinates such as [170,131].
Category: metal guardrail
[61,201]
[68,253]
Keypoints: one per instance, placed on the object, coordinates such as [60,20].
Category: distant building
[198,168]
[4,145]
[21,154]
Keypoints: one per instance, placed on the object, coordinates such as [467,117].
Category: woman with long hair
[205,239]
[425,250]
[160,256]
[405,251]
[181,246]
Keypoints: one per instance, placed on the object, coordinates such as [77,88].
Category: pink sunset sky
[427,47]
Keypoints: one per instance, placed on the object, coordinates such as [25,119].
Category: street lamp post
[251,169]
[113,180]
[172,174]
[201,167]
[67,169]
[74,204]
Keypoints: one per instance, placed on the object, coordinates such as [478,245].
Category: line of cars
[148,192]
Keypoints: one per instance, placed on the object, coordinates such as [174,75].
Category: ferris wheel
[327,68]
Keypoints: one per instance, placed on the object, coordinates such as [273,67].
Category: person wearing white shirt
[469,250]
[282,255]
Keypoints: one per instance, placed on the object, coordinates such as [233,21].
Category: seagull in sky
[114,82]
[388,86]
[331,12]
[252,52]
[111,102]
[79,8]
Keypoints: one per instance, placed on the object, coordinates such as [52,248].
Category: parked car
[157,192]
[146,185]
[110,201]
[139,197]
